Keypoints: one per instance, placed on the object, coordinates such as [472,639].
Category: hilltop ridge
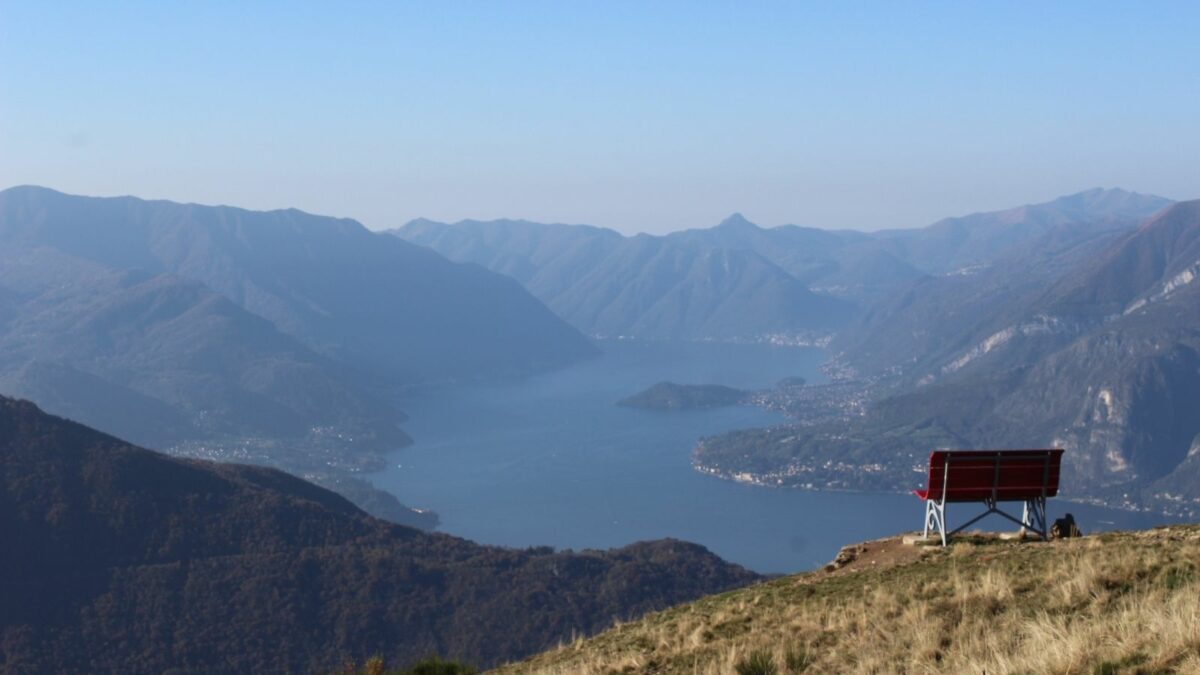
[1108,603]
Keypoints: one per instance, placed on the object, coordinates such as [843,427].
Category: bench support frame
[1033,517]
[935,518]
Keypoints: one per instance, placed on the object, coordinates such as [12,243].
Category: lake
[551,460]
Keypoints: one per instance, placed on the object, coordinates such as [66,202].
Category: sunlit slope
[1124,602]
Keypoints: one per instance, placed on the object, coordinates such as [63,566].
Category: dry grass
[1114,603]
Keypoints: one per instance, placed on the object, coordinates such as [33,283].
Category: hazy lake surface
[551,460]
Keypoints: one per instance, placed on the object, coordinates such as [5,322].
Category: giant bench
[990,477]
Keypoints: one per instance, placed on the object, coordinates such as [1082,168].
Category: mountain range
[125,560]
[739,281]
[1068,323]
[372,302]
[178,323]
[275,337]
[279,338]
[646,287]
[1092,345]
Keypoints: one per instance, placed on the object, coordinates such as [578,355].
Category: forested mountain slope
[125,560]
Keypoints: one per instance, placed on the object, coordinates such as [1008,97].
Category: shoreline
[757,481]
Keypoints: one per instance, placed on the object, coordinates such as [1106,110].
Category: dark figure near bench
[990,477]
[1065,528]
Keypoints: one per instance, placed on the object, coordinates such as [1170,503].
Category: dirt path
[876,554]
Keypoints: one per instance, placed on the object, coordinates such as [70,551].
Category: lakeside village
[844,399]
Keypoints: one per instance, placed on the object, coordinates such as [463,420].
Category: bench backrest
[1001,475]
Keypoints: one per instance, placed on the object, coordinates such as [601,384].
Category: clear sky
[642,116]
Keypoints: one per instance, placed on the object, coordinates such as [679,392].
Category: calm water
[551,460]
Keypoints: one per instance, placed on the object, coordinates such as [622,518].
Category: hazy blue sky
[640,116]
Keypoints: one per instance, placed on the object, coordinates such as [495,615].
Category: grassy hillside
[1112,603]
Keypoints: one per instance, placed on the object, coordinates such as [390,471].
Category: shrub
[430,666]
[436,666]
[757,663]
[798,661]
[1178,576]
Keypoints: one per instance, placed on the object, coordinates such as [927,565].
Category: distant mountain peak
[737,220]
[1097,191]
[29,189]
[1109,198]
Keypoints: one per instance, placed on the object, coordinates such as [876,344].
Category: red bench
[990,477]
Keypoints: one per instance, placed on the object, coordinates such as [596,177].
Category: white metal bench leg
[1033,517]
[935,517]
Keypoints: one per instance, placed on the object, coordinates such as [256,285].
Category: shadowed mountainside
[131,561]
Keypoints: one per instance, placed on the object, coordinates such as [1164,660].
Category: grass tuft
[757,663]
[798,661]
